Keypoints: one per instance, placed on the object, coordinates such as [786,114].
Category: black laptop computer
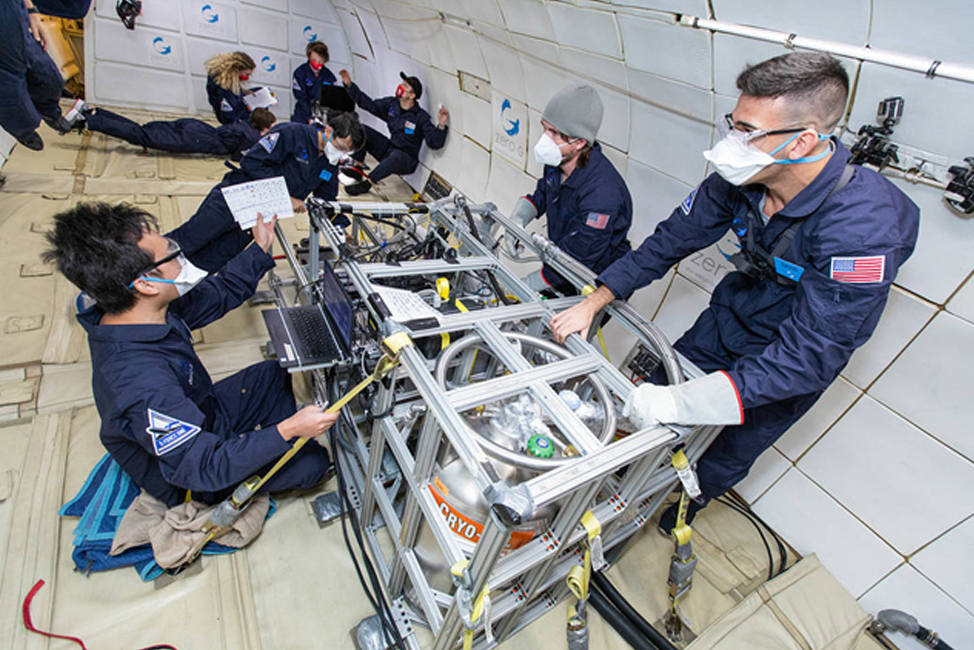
[335,96]
[313,336]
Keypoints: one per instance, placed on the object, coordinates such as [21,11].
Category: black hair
[815,85]
[95,246]
[347,124]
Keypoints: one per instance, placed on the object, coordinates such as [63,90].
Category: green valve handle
[541,446]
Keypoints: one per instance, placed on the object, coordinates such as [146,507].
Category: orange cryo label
[467,528]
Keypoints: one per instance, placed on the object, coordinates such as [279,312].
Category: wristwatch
[33,10]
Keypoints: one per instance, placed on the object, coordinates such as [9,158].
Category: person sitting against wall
[163,419]
[185,135]
[309,77]
[409,126]
[586,201]
[225,75]
[306,155]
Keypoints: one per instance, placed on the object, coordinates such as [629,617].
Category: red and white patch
[858,270]
[597,220]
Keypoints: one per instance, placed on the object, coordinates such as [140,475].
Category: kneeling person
[164,421]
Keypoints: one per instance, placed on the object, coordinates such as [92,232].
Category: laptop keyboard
[314,341]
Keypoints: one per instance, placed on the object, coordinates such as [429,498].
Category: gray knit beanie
[576,111]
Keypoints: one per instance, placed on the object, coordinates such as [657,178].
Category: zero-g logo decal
[160,46]
[310,34]
[267,64]
[515,125]
[168,432]
[209,15]
[467,528]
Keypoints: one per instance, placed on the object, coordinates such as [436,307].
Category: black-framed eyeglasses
[727,125]
[173,251]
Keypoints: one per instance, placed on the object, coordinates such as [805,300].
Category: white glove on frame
[711,399]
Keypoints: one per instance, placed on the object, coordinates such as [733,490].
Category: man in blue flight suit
[164,421]
[30,82]
[306,155]
[309,77]
[587,202]
[185,135]
[409,126]
[821,243]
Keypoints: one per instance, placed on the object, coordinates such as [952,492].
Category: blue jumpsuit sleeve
[365,102]
[300,95]
[218,294]
[435,138]
[829,319]
[266,158]
[698,222]
[168,424]
[538,198]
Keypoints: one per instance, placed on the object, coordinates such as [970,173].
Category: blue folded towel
[101,503]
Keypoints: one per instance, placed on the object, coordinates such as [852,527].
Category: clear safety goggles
[173,251]
[726,125]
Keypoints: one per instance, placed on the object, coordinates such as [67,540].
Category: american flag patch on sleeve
[858,270]
[597,220]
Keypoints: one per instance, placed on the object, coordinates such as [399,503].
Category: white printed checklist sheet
[266,197]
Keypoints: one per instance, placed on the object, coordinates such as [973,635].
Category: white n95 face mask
[189,276]
[333,153]
[547,152]
[737,160]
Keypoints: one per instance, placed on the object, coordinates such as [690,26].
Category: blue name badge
[788,270]
[325,175]
[410,131]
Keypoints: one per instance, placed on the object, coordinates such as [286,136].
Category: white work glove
[711,399]
[524,212]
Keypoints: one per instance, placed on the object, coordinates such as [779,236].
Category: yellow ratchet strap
[478,605]
[579,576]
[586,290]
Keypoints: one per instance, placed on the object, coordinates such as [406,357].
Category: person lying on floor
[163,419]
[185,135]
[306,155]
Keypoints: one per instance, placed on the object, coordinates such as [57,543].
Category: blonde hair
[225,69]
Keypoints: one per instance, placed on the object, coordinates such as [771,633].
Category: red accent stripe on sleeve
[737,393]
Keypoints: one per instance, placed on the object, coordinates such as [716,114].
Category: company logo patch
[268,65]
[597,220]
[858,270]
[687,204]
[410,127]
[225,106]
[325,175]
[168,432]
[269,141]
[296,85]
[310,34]
[209,15]
[513,125]
[160,46]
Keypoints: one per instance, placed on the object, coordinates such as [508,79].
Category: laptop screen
[337,306]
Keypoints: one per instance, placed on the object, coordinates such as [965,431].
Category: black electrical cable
[757,527]
[493,281]
[375,595]
[608,590]
[782,549]
[619,623]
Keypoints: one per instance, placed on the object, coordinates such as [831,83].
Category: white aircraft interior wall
[877,478]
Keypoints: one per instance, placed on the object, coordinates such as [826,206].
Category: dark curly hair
[95,246]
